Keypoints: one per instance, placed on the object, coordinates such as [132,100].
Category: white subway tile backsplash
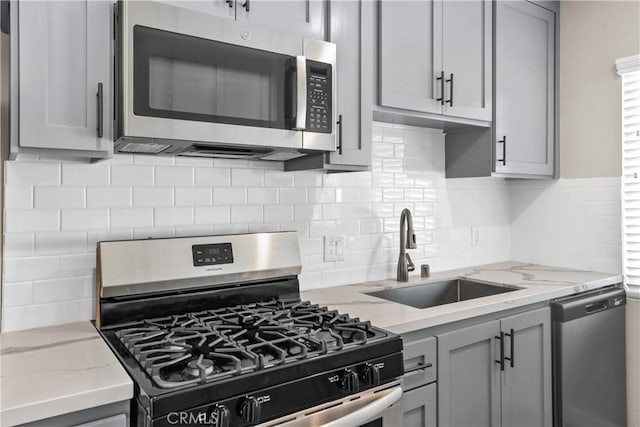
[31,173]
[132,175]
[34,268]
[60,242]
[19,244]
[108,197]
[173,216]
[23,220]
[211,215]
[278,213]
[46,291]
[278,179]
[131,217]
[307,179]
[18,197]
[58,197]
[146,196]
[215,177]
[153,196]
[292,196]
[322,195]
[262,196]
[17,294]
[174,175]
[193,196]
[84,219]
[247,177]
[230,196]
[246,214]
[321,228]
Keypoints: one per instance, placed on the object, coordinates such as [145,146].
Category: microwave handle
[301,90]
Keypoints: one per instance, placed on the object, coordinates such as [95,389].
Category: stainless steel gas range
[213,332]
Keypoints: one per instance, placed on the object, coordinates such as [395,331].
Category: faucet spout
[407,241]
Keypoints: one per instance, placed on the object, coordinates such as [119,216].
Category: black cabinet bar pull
[512,337]
[339,147]
[450,81]
[503,141]
[501,361]
[246,5]
[99,129]
[229,2]
[441,78]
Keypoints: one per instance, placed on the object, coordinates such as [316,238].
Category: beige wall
[593,34]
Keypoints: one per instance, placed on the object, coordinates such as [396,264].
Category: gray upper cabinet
[526,382]
[468,380]
[306,17]
[497,373]
[525,89]
[409,55]
[64,64]
[350,22]
[435,57]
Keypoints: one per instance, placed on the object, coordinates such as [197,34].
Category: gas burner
[200,367]
[214,344]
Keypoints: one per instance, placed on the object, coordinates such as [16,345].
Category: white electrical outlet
[475,236]
[333,248]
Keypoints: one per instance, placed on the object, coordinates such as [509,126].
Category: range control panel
[319,100]
[212,254]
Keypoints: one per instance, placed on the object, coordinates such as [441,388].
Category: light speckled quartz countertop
[51,371]
[539,283]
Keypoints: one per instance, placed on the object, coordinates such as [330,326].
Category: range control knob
[350,381]
[250,410]
[221,414]
[371,374]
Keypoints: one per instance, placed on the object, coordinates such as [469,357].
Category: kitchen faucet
[408,241]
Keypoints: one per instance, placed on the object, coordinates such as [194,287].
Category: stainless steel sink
[439,293]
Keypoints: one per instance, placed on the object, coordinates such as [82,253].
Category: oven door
[189,76]
[380,407]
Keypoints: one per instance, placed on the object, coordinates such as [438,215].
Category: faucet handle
[410,265]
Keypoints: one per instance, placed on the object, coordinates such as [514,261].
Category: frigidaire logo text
[192,418]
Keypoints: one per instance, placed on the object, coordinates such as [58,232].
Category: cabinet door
[65,53]
[410,55]
[419,407]
[466,58]
[306,17]
[469,377]
[354,124]
[526,380]
[224,8]
[525,75]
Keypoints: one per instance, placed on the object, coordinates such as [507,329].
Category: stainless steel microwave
[192,84]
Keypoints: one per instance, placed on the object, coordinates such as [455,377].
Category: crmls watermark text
[190,418]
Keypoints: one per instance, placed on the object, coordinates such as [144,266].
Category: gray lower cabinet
[497,373]
[435,57]
[62,77]
[525,89]
[350,22]
[420,406]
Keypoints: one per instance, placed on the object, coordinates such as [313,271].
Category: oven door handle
[366,413]
[301,91]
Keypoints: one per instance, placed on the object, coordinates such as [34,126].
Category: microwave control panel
[212,254]
[319,97]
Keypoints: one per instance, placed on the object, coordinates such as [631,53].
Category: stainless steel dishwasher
[589,372]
